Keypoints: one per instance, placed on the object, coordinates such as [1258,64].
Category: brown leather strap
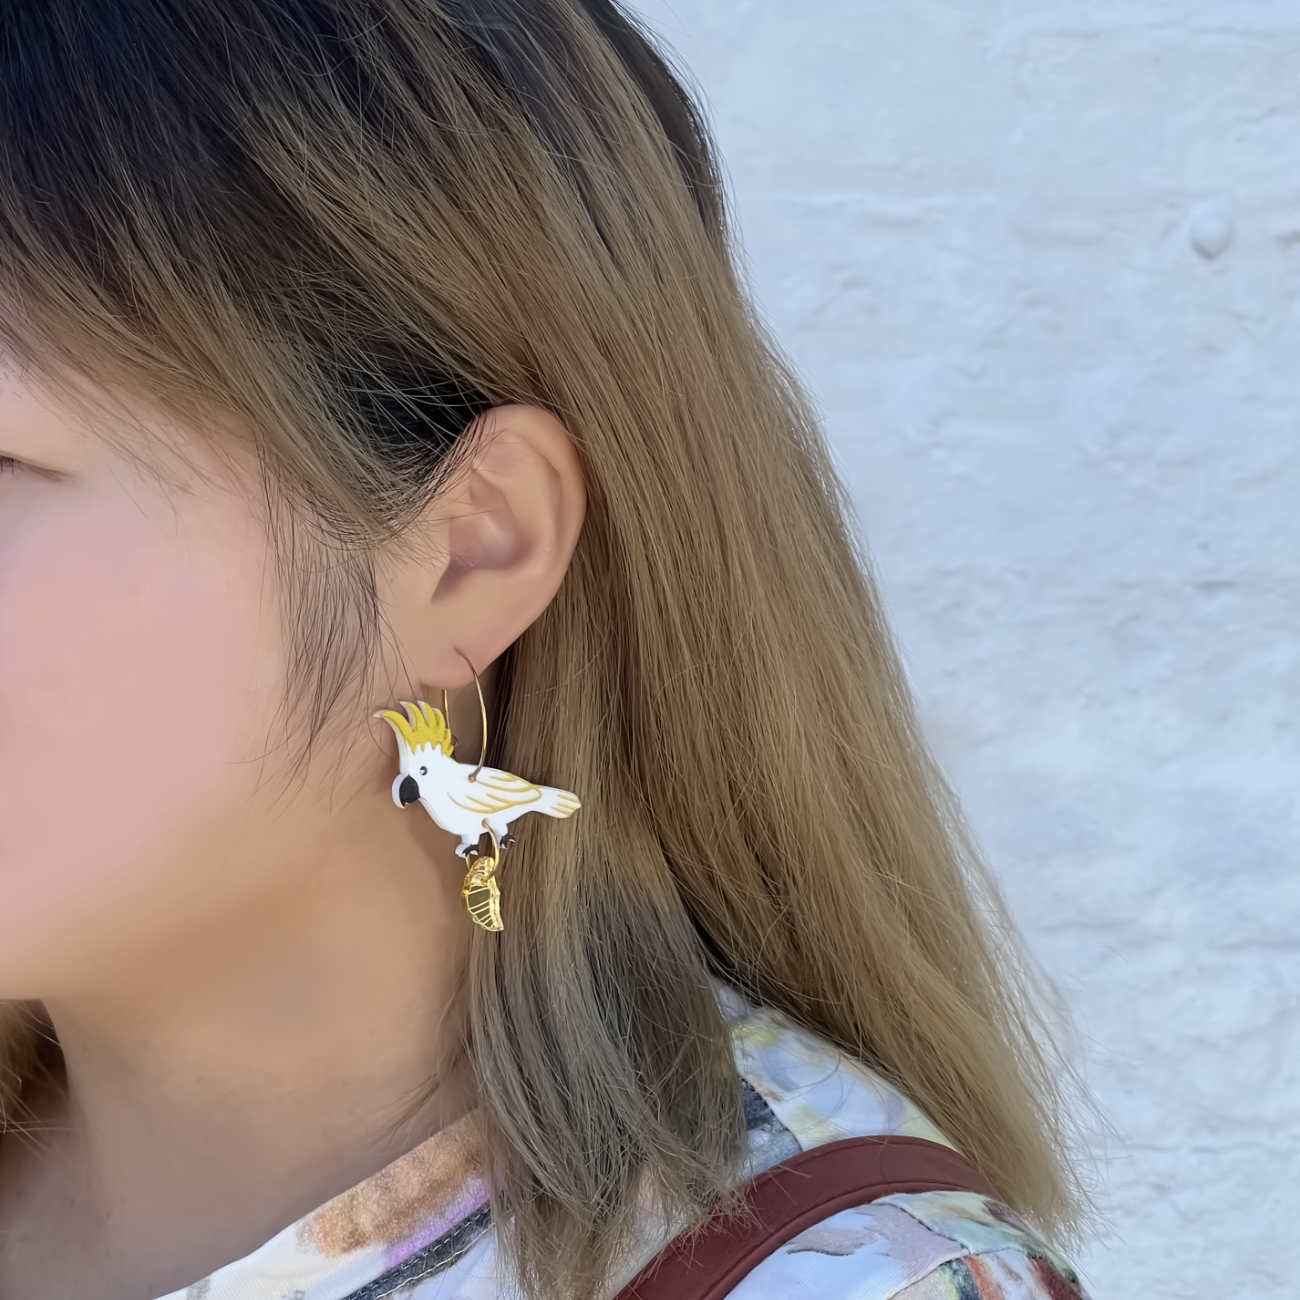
[793,1196]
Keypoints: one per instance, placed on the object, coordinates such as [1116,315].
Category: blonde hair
[357,224]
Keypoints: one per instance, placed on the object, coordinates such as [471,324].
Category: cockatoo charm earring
[467,801]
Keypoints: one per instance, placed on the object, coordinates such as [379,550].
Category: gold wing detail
[494,791]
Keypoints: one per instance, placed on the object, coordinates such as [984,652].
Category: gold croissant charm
[481,893]
[467,801]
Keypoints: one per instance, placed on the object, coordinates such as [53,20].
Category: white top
[420,1229]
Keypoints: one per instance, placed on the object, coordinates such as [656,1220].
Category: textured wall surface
[1040,265]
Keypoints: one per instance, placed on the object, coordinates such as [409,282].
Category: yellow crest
[422,725]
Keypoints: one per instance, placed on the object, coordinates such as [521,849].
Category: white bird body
[465,801]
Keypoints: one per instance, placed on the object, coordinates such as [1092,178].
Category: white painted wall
[1074,442]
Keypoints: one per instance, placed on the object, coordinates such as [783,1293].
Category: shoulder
[934,1246]
[801,1093]
[807,1090]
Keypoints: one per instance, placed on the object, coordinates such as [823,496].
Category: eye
[424,771]
[8,465]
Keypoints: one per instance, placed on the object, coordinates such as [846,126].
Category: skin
[252,970]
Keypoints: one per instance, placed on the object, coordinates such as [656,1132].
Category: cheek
[129,662]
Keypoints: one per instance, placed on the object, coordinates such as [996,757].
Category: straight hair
[357,225]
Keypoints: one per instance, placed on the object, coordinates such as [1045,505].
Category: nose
[408,791]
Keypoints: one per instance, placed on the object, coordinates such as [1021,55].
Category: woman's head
[311,240]
[343,251]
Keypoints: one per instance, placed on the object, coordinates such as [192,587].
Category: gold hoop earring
[467,802]
[482,713]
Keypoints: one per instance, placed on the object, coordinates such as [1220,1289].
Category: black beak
[409,791]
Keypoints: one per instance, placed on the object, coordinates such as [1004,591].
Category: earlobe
[506,530]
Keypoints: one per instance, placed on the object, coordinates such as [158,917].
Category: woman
[358,351]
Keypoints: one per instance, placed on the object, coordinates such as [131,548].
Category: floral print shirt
[421,1229]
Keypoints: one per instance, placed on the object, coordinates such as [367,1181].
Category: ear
[490,552]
